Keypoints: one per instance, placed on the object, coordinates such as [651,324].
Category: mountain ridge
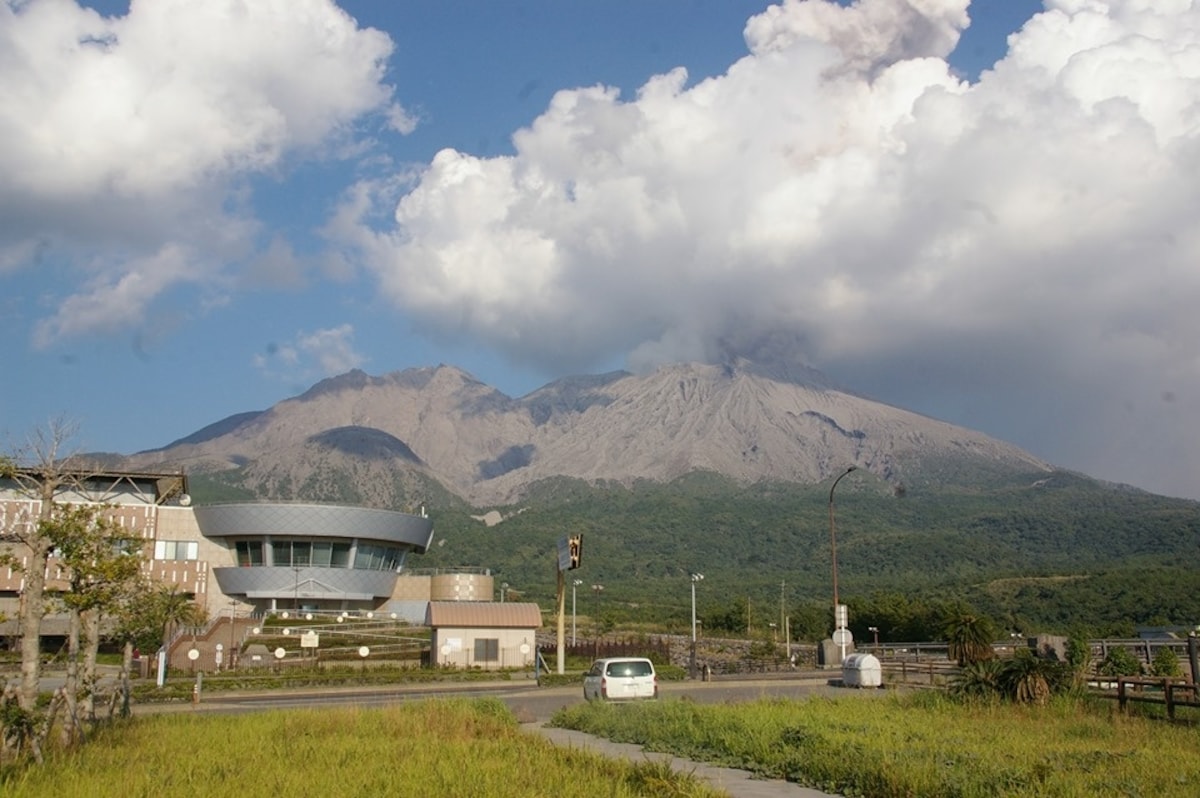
[747,421]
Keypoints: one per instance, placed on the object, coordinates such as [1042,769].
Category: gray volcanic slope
[745,421]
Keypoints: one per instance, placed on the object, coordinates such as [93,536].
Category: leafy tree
[731,618]
[148,614]
[1120,661]
[969,638]
[102,560]
[46,476]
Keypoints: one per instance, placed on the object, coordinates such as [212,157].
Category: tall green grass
[917,745]
[420,749]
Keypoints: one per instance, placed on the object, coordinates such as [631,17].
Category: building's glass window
[176,550]
[377,558]
[249,553]
[315,553]
[487,649]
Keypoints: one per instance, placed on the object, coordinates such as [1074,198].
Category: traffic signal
[574,551]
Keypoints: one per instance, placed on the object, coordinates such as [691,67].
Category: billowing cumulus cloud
[1021,249]
[127,139]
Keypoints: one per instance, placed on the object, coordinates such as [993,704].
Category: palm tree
[1029,679]
[172,609]
[969,638]
[148,615]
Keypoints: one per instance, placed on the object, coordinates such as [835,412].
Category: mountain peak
[748,420]
[353,380]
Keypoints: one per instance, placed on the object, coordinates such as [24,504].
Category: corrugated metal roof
[483,614]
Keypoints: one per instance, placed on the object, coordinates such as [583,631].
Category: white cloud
[333,349]
[115,302]
[1023,243]
[128,136]
[311,356]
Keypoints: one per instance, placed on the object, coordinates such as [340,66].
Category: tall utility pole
[787,635]
[782,612]
[560,632]
[841,635]
[695,578]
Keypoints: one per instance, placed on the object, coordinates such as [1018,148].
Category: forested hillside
[1059,554]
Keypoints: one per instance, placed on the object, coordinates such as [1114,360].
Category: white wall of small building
[455,648]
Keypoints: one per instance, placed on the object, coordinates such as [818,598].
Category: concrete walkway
[738,783]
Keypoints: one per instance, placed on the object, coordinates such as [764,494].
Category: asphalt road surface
[529,702]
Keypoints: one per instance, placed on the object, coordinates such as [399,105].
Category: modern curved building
[239,562]
[312,556]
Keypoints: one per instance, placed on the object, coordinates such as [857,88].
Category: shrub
[1165,663]
[1024,679]
[1120,662]
[979,680]
[1079,655]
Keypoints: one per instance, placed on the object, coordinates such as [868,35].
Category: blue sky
[206,208]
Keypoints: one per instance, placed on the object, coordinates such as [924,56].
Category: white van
[620,679]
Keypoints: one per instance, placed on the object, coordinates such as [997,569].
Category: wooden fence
[1170,693]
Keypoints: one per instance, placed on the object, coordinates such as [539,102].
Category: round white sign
[280,653]
[842,637]
[363,651]
[193,654]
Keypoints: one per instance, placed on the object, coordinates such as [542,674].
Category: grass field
[902,744]
[918,744]
[421,749]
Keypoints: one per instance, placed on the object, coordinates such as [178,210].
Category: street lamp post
[574,584]
[695,578]
[597,589]
[875,631]
[503,590]
[838,621]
